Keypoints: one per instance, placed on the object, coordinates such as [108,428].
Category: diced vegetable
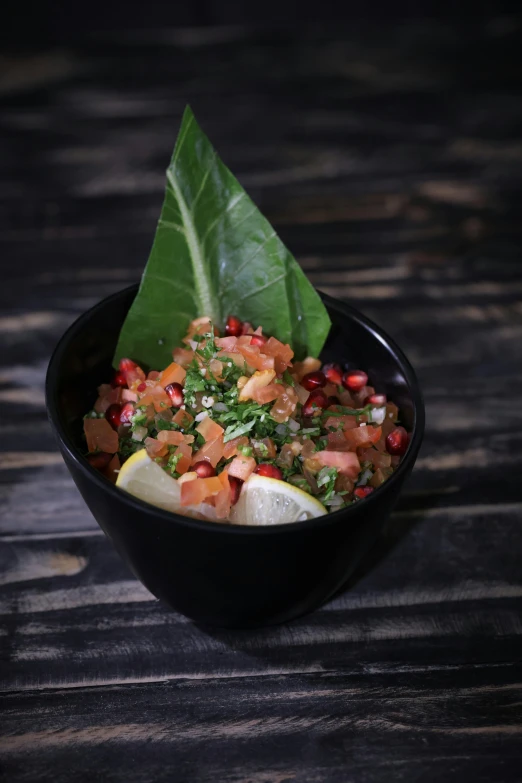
[346,463]
[100,436]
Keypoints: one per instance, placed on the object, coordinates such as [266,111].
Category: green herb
[173,461]
[321,444]
[326,478]
[215,254]
[310,431]
[162,424]
[246,451]
[288,378]
[128,446]
[299,481]
[262,448]
[235,431]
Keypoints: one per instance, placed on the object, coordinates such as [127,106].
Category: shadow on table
[257,641]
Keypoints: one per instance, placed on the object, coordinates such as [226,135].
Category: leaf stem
[207,303]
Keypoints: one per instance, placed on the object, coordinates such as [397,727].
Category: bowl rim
[332,518]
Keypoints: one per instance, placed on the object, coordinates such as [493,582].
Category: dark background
[385,145]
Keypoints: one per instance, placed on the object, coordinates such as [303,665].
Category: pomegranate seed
[317,400]
[333,373]
[332,400]
[119,380]
[113,414]
[126,365]
[362,492]
[313,380]
[99,460]
[397,441]
[258,339]
[204,469]
[354,380]
[269,471]
[142,387]
[233,326]
[376,399]
[175,392]
[126,412]
[235,489]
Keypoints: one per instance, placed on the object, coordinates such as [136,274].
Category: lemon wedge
[267,501]
[145,479]
[263,501]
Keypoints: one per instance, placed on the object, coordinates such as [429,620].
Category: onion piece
[139,433]
[377,415]
[365,477]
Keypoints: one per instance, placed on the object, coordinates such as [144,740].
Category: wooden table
[390,161]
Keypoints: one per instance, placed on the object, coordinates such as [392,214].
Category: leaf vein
[248,260]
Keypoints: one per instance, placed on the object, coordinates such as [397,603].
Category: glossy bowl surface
[219,574]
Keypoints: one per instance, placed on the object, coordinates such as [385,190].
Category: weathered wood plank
[441,586]
[394,172]
[299,727]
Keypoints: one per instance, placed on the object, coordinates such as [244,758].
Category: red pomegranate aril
[397,442]
[269,471]
[333,373]
[376,399]
[113,415]
[99,460]
[235,489]
[233,326]
[258,339]
[316,400]
[175,392]
[362,492]
[313,380]
[119,380]
[142,387]
[127,364]
[354,380]
[126,413]
[204,469]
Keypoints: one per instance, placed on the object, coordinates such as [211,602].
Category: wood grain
[389,160]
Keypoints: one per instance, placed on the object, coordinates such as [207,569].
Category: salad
[244,425]
[235,406]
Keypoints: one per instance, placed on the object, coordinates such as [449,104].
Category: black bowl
[215,573]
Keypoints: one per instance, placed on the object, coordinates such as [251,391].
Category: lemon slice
[267,501]
[145,479]
[142,477]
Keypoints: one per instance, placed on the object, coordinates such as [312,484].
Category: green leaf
[215,254]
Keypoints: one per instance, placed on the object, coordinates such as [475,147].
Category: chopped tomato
[183,419]
[156,448]
[172,437]
[363,436]
[230,449]
[209,429]
[174,373]
[222,499]
[182,356]
[212,451]
[258,381]
[198,490]
[100,436]
[242,467]
[346,462]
